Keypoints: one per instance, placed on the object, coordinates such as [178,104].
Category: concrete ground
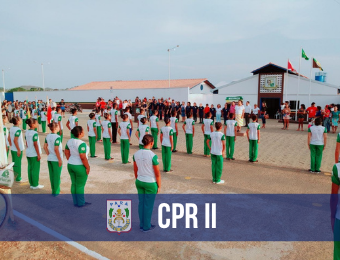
[282,168]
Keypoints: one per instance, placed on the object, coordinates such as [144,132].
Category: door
[273,105]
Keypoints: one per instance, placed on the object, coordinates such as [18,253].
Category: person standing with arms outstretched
[54,150]
[189,130]
[148,182]
[253,135]
[217,148]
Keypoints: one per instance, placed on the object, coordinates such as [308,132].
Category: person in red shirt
[102,105]
[206,109]
[311,111]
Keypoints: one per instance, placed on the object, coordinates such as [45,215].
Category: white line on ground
[59,236]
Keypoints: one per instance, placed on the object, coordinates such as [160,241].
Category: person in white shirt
[207,129]
[6,134]
[52,114]
[139,117]
[148,182]
[76,152]
[218,113]
[43,119]
[107,136]
[189,130]
[256,110]
[247,112]
[72,121]
[217,148]
[167,144]
[17,145]
[54,151]
[253,135]
[127,111]
[99,125]
[239,114]
[230,130]
[58,119]
[173,124]
[317,139]
[124,133]
[92,133]
[142,130]
[154,127]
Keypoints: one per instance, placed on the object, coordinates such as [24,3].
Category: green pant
[189,142]
[78,180]
[166,158]
[99,133]
[43,126]
[174,140]
[7,151]
[336,254]
[141,146]
[315,157]
[253,150]
[107,148]
[154,133]
[230,144]
[206,148]
[39,120]
[146,195]
[216,167]
[61,134]
[24,124]
[33,171]
[125,149]
[17,164]
[92,143]
[55,173]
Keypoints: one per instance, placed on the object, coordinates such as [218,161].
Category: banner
[233,99]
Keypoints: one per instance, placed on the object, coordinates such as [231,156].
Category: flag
[290,67]
[49,111]
[304,55]
[317,65]
[28,110]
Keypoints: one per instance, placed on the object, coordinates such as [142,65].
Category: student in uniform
[35,115]
[6,135]
[142,130]
[148,182]
[154,128]
[54,150]
[114,122]
[189,130]
[99,125]
[253,135]
[72,121]
[33,154]
[167,134]
[52,114]
[43,119]
[139,117]
[76,152]
[24,116]
[16,111]
[124,133]
[230,130]
[317,139]
[58,119]
[173,124]
[92,133]
[107,136]
[217,147]
[207,129]
[127,111]
[17,146]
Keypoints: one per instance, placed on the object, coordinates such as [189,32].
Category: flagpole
[310,79]
[298,90]
[286,85]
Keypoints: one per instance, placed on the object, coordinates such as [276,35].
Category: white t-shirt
[216,142]
[91,124]
[113,113]
[76,147]
[153,121]
[34,113]
[173,121]
[106,128]
[218,111]
[253,127]
[189,122]
[98,120]
[124,126]
[58,118]
[129,115]
[142,129]
[43,115]
[31,136]
[139,117]
[167,131]
[124,105]
[256,111]
[6,135]
[247,109]
[52,141]
[317,134]
[239,110]
[52,115]
[145,160]
[231,127]
[16,132]
[207,125]
[73,120]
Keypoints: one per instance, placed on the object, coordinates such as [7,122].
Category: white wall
[197,89]
[92,95]
[202,98]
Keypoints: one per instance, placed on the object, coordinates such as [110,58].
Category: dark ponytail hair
[76,131]
[92,115]
[124,116]
[52,126]
[166,120]
[30,122]
[173,113]
[147,139]
[106,115]
[73,110]
[143,120]
[15,120]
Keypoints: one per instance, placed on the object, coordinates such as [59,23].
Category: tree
[16,89]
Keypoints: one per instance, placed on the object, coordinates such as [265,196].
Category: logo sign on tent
[233,99]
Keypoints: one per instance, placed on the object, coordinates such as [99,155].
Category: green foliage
[16,89]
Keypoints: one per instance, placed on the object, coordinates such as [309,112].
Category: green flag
[317,64]
[304,55]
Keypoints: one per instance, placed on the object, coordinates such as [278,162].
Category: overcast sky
[87,40]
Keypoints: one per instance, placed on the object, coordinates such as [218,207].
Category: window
[201,87]
[292,104]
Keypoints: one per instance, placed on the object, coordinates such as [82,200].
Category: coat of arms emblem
[118,216]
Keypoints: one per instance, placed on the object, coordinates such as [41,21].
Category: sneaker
[317,171]
[155,148]
[250,160]
[232,159]
[220,182]
[94,156]
[151,228]
[174,151]
[37,187]
[311,171]
[255,161]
